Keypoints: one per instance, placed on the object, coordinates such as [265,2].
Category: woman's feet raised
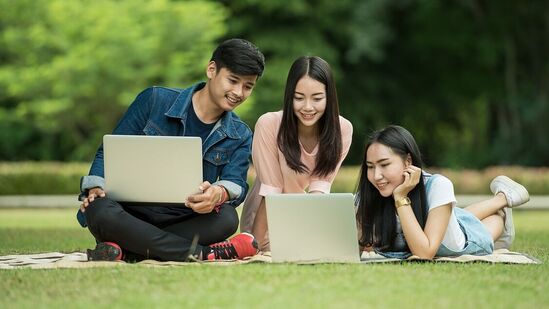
[515,193]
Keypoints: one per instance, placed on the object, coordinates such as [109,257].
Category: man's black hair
[240,57]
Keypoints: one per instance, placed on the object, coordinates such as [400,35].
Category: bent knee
[102,210]
[228,220]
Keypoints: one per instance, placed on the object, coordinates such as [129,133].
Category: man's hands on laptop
[206,201]
[92,194]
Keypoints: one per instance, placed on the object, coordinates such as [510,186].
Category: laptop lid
[152,169]
[312,228]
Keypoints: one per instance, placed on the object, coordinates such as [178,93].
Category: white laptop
[152,169]
[312,228]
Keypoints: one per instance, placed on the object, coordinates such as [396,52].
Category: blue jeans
[478,240]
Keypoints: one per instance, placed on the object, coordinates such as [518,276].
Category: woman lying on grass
[403,210]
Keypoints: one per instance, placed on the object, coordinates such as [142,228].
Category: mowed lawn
[260,285]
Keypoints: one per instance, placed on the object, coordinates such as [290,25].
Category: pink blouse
[273,173]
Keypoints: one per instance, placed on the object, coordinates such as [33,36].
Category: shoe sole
[513,185]
[104,252]
[508,235]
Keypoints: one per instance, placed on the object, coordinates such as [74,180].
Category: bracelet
[224,196]
[405,201]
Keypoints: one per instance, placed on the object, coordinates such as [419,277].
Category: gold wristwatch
[405,201]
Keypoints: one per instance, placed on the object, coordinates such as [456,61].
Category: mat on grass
[79,260]
[499,256]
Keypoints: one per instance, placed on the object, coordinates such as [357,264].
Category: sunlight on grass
[259,285]
[38,218]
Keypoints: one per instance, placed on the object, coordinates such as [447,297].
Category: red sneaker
[238,247]
[105,251]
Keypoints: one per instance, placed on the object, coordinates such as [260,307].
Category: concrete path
[39,201]
[66,201]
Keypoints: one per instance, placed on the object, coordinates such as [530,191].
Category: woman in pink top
[300,148]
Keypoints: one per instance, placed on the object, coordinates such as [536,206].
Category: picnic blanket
[51,260]
[498,256]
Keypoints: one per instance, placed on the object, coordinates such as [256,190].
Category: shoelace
[224,250]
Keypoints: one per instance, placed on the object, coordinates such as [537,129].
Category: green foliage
[33,178]
[284,31]
[465,181]
[469,79]
[69,69]
[38,178]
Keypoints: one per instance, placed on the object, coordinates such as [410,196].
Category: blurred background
[469,78]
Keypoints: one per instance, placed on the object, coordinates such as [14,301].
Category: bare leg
[489,207]
[260,229]
[494,225]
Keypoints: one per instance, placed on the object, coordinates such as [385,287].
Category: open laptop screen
[154,169]
[312,228]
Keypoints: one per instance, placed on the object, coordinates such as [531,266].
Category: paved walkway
[66,201]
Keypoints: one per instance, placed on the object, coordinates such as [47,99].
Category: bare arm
[425,243]
[422,242]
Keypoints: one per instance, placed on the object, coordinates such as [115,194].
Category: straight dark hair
[240,57]
[329,133]
[376,214]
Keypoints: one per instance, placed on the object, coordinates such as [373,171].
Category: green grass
[267,286]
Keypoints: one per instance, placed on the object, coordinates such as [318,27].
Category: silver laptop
[157,169]
[312,228]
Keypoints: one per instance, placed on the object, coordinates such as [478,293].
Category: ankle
[501,199]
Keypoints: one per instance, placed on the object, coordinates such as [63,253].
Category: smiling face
[385,168]
[228,90]
[309,101]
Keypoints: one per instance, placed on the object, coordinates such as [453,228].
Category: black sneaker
[105,251]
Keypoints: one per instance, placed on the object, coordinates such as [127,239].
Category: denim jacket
[163,111]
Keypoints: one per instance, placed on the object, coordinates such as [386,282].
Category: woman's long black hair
[329,133]
[376,214]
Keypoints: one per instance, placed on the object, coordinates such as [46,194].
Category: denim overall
[478,240]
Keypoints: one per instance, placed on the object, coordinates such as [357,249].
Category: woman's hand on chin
[412,176]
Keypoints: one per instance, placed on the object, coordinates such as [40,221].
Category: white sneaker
[515,193]
[508,235]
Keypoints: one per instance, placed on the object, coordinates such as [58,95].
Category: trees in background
[69,69]
[469,78]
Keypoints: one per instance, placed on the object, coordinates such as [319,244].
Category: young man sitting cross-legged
[199,230]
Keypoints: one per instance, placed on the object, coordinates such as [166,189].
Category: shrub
[465,181]
[22,178]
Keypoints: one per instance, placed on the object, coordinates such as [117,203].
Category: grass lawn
[270,286]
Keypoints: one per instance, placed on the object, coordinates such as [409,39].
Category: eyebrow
[379,161]
[238,78]
[317,93]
